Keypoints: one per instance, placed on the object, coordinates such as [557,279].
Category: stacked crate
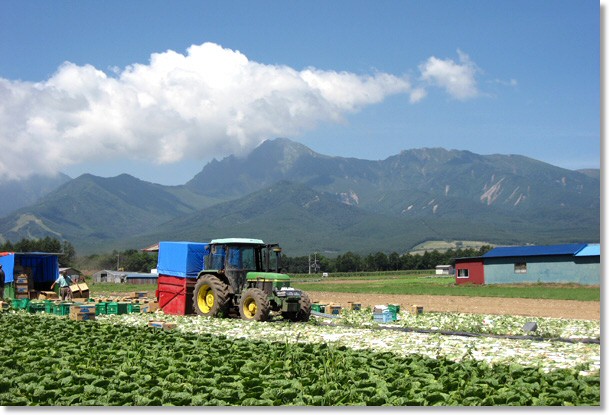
[22,286]
[416,309]
[354,306]
[82,312]
[382,314]
[333,309]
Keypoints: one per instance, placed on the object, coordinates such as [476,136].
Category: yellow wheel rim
[205,299]
[250,308]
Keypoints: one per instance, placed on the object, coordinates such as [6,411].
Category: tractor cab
[235,258]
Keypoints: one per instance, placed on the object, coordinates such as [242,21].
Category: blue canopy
[43,267]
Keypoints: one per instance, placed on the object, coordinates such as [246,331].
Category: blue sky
[157,89]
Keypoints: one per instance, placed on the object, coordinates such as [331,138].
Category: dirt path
[585,310]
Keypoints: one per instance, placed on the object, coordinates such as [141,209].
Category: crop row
[546,355]
[48,360]
[482,324]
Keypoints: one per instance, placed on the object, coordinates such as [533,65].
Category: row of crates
[382,314]
[63,308]
[334,308]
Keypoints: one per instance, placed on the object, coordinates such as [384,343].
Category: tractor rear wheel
[254,305]
[210,296]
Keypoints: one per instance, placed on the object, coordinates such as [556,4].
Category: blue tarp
[43,267]
[8,265]
[181,259]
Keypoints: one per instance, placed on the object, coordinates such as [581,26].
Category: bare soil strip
[570,309]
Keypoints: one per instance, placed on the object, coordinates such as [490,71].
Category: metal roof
[237,241]
[152,248]
[533,250]
[590,250]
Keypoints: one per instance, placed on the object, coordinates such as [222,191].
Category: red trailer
[175,294]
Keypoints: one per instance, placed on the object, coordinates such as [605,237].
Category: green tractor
[244,275]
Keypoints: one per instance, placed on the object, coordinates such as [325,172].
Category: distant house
[444,270]
[122,277]
[568,263]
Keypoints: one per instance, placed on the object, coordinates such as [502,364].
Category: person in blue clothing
[64,282]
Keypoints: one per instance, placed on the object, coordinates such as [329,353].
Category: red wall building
[469,270]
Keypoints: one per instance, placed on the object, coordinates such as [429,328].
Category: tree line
[129,260]
[379,261]
[138,261]
[67,253]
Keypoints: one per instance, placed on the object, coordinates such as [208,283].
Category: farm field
[472,352]
[118,360]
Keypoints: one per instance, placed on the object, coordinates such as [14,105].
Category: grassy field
[443,246]
[417,285]
[108,288]
[410,284]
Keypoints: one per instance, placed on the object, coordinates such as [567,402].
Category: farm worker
[1,283]
[64,282]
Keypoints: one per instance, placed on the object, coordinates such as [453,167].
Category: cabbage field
[119,360]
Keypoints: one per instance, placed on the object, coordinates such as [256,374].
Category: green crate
[20,303]
[395,310]
[133,308]
[320,308]
[33,307]
[117,308]
[63,309]
[101,308]
[49,306]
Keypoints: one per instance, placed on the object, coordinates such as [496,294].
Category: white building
[444,270]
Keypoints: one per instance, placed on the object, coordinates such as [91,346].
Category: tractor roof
[238,241]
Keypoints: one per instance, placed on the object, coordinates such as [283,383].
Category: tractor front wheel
[210,296]
[254,305]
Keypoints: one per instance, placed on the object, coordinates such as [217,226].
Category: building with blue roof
[566,263]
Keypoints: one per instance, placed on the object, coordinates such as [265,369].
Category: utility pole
[315,267]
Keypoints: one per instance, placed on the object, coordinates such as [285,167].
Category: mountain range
[308,202]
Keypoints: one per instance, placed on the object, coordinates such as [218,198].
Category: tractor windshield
[241,258]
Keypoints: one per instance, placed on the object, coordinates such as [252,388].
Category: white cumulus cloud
[459,79]
[209,102]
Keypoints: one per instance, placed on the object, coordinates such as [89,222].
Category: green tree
[349,262]
[395,262]
[69,254]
